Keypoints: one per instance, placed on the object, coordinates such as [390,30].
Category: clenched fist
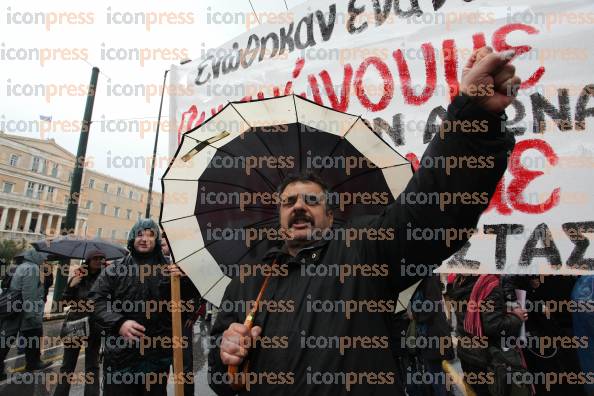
[236,342]
[490,79]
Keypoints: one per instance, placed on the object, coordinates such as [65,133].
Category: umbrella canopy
[220,205]
[77,248]
[46,256]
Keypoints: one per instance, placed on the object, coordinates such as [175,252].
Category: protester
[583,324]
[543,354]
[47,277]
[28,323]
[132,299]
[433,335]
[488,329]
[188,320]
[76,294]
[297,366]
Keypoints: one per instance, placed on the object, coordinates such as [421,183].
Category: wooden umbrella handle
[238,381]
[178,360]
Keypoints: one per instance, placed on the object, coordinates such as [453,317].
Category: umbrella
[76,248]
[211,211]
[46,256]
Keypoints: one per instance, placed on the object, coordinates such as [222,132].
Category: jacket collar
[281,253]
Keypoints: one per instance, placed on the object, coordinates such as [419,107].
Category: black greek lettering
[353,13]
[306,21]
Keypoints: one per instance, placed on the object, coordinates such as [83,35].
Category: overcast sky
[47,50]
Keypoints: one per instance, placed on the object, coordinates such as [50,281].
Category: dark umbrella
[247,149]
[46,256]
[77,248]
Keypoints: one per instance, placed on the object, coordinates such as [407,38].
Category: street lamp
[150,189]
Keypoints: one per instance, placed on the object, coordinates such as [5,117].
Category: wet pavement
[20,383]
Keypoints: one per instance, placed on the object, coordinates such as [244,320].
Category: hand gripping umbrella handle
[238,380]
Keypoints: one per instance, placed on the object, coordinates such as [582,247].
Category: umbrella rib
[271,186]
[247,208]
[366,172]
[241,115]
[265,221]
[280,173]
[295,107]
[225,183]
[340,141]
[213,286]
[251,208]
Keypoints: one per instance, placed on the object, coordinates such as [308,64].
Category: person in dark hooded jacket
[133,308]
[28,322]
[76,294]
[498,322]
[329,334]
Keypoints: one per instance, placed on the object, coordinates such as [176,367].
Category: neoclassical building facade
[35,178]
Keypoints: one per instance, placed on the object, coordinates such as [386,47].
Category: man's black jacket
[302,356]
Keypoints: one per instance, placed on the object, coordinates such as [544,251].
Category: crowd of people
[113,309]
[513,335]
[504,330]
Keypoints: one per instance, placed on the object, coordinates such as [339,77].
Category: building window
[116,212]
[91,183]
[126,234]
[103,208]
[128,213]
[139,215]
[50,193]
[70,177]
[119,191]
[113,234]
[40,190]
[55,170]
[89,205]
[35,165]
[106,187]
[14,160]
[30,189]
[66,200]
[130,194]
[99,232]
[140,198]
[8,187]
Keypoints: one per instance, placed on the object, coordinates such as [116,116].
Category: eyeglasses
[310,199]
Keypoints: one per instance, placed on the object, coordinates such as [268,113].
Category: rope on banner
[256,15]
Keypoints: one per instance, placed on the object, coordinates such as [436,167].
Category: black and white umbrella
[218,192]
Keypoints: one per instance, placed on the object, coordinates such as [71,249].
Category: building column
[48,226]
[3,218]
[28,221]
[15,219]
[38,224]
[59,225]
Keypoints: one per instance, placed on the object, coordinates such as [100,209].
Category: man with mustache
[332,336]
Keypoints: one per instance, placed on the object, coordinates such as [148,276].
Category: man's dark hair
[307,177]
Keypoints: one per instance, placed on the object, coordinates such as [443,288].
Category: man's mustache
[300,217]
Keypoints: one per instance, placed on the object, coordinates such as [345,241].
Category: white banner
[397,63]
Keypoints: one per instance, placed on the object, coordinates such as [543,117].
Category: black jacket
[125,292]
[430,315]
[78,297]
[496,321]
[319,368]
